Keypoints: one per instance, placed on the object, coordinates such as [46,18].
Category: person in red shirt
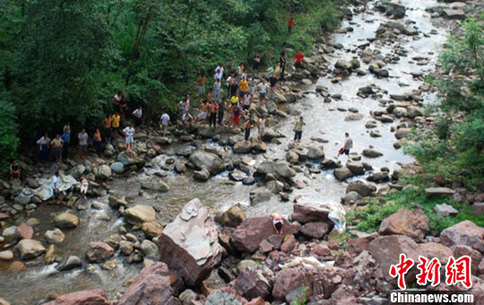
[299,57]
[290,24]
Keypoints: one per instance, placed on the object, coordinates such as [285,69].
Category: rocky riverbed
[365,79]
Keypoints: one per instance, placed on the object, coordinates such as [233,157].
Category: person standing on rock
[261,126]
[263,86]
[277,222]
[233,87]
[273,76]
[290,25]
[44,147]
[164,120]
[107,128]
[96,142]
[299,57]
[115,119]
[256,62]
[236,116]
[57,143]
[247,127]
[83,137]
[217,87]
[213,109]
[84,187]
[221,110]
[14,170]
[246,102]
[282,64]
[138,116]
[201,85]
[243,87]
[298,127]
[55,187]
[347,146]
[129,137]
[66,137]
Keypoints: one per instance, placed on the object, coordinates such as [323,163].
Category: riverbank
[128,210]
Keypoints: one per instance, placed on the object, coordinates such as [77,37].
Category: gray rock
[6,255]
[155,184]
[343,173]
[126,247]
[356,167]
[10,234]
[282,169]
[149,249]
[103,172]
[350,197]
[402,133]
[457,14]
[117,167]
[201,175]
[343,64]
[128,158]
[445,210]
[187,296]
[140,213]
[315,153]
[69,263]
[259,195]
[439,191]
[202,159]
[371,153]
[361,188]
[54,236]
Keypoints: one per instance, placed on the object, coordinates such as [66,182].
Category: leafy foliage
[8,132]
[62,60]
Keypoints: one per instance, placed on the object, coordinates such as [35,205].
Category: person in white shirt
[55,186]
[129,137]
[165,120]
[138,116]
[82,137]
[44,146]
[263,86]
[84,187]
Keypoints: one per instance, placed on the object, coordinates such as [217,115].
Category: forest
[62,60]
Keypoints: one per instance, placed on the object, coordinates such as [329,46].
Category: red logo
[456,271]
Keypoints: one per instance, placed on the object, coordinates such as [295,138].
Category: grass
[369,218]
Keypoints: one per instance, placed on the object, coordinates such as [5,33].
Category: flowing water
[323,121]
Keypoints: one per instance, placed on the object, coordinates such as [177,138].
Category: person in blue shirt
[66,137]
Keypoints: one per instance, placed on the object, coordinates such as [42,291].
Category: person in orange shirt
[290,24]
[299,57]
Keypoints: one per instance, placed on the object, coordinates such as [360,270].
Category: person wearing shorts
[57,143]
[55,186]
[236,116]
[277,222]
[129,137]
[298,130]
[82,137]
[263,86]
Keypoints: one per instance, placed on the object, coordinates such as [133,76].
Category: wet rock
[342,173]
[375,134]
[128,158]
[283,170]
[85,297]
[381,72]
[22,200]
[98,252]
[379,177]
[237,175]
[329,164]
[356,167]
[24,231]
[457,14]
[402,133]
[69,263]
[151,229]
[125,247]
[103,172]
[364,189]
[439,191]
[140,213]
[155,184]
[189,245]
[464,233]
[233,216]
[242,147]
[30,248]
[351,197]
[201,175]
[66,220]
[202,159]
[371,153]
[315,153]
[414,112]
[16,267]
[54,236]
[251,284]
[117,167]
[445,210]
[343,65]
[180,166]
[149,249]
[412,223]
[252,231]
[259,195]
[6,255]
[354,117]
[275,186]
[316,229]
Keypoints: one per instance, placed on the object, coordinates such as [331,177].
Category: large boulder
[464,233]
[98,252]
[117,167]
[342,173]
[282,169]
[371,153]
[189,244]
[233,216]
[439,191]
[289,280]
[356,167]
[387,249]
[364,189]
[140,213]
[30,248]
[151,287]
[343,65]
[66,220]
[128,158]
[252,284]
[202,159]
[252,231]
[304,213]
[412,223]
[315,153]
[103,172]
[225,296]
[316,229]
[85,297]
[259,194]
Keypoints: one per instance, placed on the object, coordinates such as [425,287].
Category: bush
[8,133]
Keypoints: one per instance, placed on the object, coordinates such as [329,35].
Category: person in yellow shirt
[243,87]
[234,100]
[115,119]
